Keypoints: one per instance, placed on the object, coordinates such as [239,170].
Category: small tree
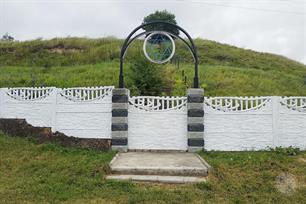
[146,77]
[7,37]
[161,16]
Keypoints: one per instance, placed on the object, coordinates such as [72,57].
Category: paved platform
[170,167]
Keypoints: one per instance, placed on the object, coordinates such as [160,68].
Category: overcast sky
[277,26]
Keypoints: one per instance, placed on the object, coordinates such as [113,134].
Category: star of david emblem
[159,47]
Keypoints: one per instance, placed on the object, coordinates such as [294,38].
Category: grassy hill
[224,69]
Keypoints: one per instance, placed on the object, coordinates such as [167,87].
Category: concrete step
[158,178]
[159,163]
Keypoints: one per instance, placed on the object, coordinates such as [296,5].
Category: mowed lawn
[48,173]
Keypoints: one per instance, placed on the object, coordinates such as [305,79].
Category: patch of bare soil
[302,160]
[62,50]
[286,183]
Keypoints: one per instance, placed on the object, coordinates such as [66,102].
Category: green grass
[217,80]
[48,173]
[78,51]
[224,69]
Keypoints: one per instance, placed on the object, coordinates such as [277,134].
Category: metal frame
[189,44]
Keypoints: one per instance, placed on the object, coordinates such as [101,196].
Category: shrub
[286,150]
[146,77]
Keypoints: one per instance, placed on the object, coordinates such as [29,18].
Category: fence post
[275,119]
[1,102]
[54,109]
[195,126]
[120,104]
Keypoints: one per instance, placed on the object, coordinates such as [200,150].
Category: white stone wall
[36,112]
[74,114]
[157,130]
[230,123]
[291,126]
[161,124]
[260,127]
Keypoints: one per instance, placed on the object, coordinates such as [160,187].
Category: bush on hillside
[146,77]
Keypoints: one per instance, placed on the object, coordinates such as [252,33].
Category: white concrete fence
[230,123]
[79,112]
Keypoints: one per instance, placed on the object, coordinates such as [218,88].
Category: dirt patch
[286,183]
[61,48]
[64,50]
[302,160]
[19,127]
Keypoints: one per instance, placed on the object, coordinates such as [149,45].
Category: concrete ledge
[158,178]
[195,120]
[195,149]
[119,113]
[119,127]
[195,135]
[195,113]
[198,106]
[195,98]
[120,106]
[157,163]
[196,142]
[119,134]
[119,141]
[120,99]
[119,148]
[205,163]
[119,120]
[195,127]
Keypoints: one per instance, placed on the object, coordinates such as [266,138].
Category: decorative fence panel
[78,112]
[33,104]
[291,127]
[254,123]
[157,123]
[230,123]
[84,112]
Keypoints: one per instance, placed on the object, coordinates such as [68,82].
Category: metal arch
[127,43]
[148,32]
[189,47]
[134,38]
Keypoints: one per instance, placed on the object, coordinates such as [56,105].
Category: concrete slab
[159,163]
[157,178]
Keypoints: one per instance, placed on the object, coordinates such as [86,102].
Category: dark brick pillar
[195,126]
[120,104]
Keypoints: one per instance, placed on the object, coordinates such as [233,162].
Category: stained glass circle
[159,47]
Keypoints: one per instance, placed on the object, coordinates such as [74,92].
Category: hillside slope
[224,69]
[78,51]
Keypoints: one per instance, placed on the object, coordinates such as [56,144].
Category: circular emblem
[159,47]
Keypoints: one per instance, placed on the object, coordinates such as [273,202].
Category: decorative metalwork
[294,103]
[156,103]
[159,47]
[227,104]
[188,42]
[86,94]
[29,93]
